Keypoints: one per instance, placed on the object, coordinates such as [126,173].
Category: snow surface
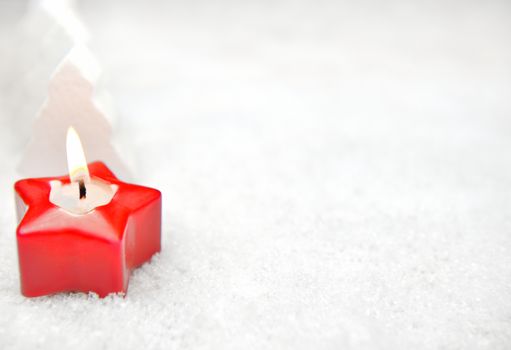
[335,176]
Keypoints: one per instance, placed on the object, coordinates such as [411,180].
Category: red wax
[94,252]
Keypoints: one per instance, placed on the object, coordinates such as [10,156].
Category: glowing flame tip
[76,162]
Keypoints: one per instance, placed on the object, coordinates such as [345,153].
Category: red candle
[70,238]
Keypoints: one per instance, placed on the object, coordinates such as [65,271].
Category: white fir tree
[70,102]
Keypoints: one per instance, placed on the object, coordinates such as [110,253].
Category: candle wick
[83,190]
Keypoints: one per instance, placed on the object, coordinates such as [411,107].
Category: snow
[334,176]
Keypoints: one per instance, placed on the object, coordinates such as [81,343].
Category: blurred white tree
[71,103]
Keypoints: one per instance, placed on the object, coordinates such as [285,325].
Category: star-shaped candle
[86,231]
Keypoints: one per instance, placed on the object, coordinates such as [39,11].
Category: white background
[336,175]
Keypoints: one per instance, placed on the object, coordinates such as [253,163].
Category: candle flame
[76,162]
